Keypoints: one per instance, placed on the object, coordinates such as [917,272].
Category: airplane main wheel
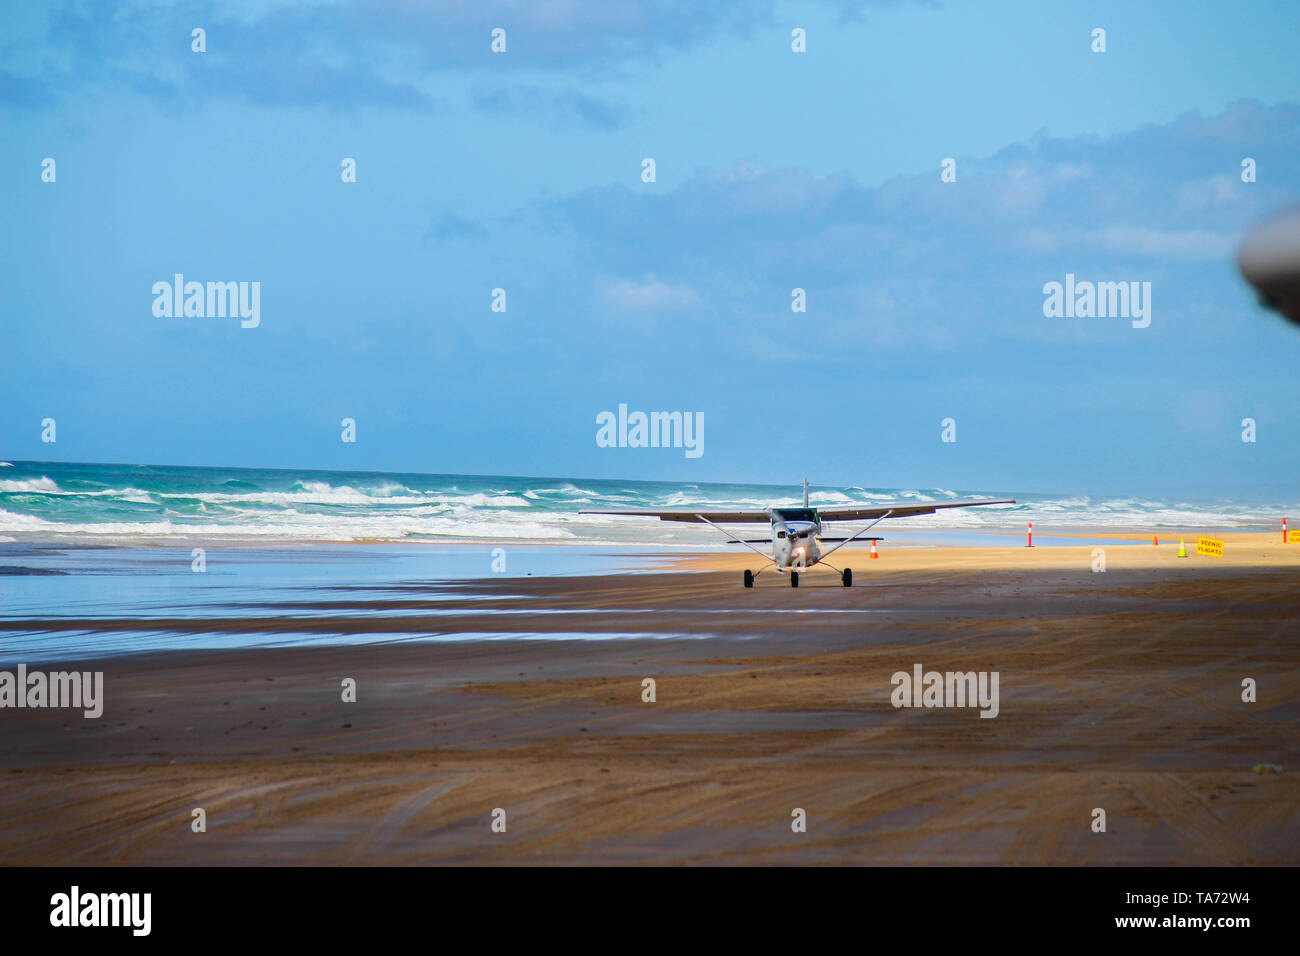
[794,579]
[749,578]
[847,577]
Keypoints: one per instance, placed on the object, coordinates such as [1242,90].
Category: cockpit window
[797,514]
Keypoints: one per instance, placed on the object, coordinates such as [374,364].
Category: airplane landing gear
[846,577]
[749,578]
[794,579]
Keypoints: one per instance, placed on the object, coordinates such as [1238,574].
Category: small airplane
[797,532]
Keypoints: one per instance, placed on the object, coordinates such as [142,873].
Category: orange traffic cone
[873,551]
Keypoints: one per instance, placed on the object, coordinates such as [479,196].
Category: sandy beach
[1119,690]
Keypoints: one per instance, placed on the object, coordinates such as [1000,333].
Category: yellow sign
[1210,547]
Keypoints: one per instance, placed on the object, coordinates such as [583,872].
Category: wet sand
[1119,690]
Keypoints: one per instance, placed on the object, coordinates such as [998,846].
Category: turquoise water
[90,503]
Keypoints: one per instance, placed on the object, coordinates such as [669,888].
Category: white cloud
[647,293]
[1189,244]
[1201,194]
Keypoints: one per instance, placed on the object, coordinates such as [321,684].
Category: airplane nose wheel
[749,578]
[794,579]
[846,577]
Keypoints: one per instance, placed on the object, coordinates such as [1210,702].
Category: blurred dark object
[1270,260]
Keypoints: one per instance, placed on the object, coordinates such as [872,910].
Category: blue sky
[775,170]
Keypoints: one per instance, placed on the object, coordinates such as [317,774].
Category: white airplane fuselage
[794,538]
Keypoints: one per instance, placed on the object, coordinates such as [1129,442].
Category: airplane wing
[701,516]
[844,513]
[865,513]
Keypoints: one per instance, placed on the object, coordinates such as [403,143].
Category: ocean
[69,503]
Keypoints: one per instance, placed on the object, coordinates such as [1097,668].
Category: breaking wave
[125,503]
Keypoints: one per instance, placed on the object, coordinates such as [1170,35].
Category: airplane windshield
[797,514]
